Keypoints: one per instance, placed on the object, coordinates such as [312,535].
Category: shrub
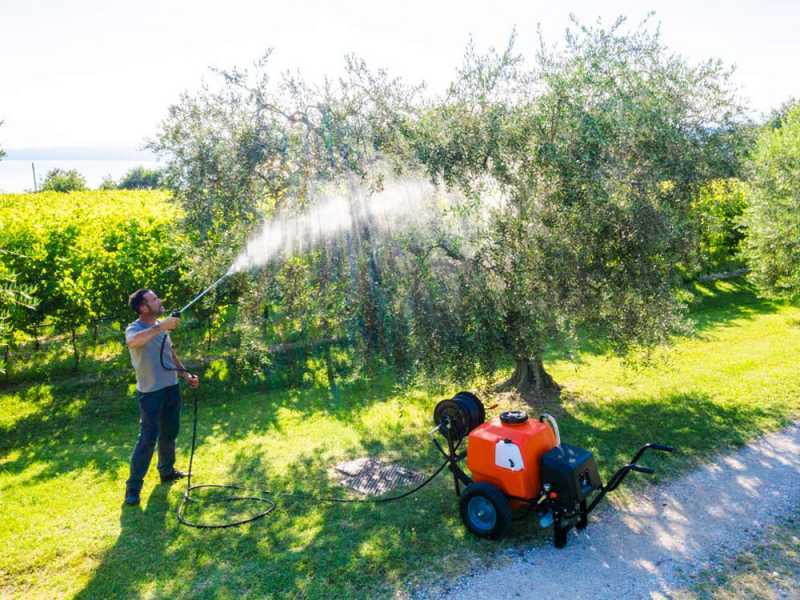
[140,178]
[86,251]
[717,209]
[60,180]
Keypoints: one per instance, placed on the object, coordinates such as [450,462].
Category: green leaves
[63,180]
[599,148]
[83,253]
[772,218]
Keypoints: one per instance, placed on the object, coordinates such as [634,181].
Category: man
[156,390]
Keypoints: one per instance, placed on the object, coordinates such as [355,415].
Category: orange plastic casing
[533,439]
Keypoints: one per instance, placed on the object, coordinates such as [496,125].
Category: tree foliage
[577,172]
[256,145]
[63,180]
[717,209]
[777,117]
[16,302]
[772,217]
[598,149]
[141,178]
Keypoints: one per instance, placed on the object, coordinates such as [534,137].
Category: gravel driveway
[647,549]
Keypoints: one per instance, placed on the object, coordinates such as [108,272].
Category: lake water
[16,175]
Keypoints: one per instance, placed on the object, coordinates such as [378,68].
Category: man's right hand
[169,323]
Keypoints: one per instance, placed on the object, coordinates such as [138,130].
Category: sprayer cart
[520,463]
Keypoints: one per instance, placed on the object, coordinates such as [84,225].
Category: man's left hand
[191,379]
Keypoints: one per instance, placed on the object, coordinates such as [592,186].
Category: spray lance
[177,313]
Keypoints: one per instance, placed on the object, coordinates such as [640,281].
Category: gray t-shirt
[150,375]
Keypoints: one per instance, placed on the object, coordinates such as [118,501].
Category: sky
[102,73]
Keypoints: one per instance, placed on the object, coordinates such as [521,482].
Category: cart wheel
[559,534]
[485,510]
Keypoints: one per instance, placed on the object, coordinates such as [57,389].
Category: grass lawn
[65,441]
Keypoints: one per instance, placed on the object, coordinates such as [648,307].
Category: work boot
[172,476]
[132,498]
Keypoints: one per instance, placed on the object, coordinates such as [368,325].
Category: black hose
[187,495]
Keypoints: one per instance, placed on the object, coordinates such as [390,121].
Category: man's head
[144,302]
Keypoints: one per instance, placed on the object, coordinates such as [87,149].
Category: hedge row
[81,253]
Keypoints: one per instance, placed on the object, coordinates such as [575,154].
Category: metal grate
[371,477]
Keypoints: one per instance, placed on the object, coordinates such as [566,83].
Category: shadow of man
[137,556]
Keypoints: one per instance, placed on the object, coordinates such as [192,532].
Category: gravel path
[647,549]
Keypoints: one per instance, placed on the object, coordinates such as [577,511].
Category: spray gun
[177,315]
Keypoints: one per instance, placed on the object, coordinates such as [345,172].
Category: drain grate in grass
[372,477]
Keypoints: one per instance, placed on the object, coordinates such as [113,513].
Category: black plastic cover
[572,474]
[513,417]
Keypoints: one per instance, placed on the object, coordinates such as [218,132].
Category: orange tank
[508,455]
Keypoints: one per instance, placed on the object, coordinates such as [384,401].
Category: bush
[140,178]
[86,251]
[108,183]
[717,210]
[60,180]
[772,218]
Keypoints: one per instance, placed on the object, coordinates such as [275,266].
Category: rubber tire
[498,500]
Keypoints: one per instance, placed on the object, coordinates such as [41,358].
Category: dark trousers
[160,413]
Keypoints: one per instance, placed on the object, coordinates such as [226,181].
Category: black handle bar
[618,477]
[641,469]
[646,447]
[662,447]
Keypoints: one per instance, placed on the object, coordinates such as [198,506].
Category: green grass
[65,440]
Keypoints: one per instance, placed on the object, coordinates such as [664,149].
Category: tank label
[508,456]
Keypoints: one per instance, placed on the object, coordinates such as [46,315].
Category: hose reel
[457,416]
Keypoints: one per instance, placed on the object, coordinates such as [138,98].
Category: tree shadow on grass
[312,548]
[721,302]
[78,426]
[709,304]
[305,548]
[691,421]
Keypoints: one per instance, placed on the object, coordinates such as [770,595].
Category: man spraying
[156,390]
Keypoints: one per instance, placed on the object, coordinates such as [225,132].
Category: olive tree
[771,246]
[598,149]
[254,144]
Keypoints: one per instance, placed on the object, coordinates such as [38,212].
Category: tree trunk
[75,349]
[7,360]
[530,378]
[331,374]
